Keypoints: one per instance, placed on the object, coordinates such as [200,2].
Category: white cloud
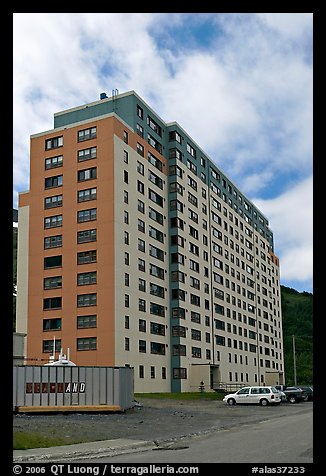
[291,219]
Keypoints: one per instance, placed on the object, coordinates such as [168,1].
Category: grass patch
[189,396]
[27,440]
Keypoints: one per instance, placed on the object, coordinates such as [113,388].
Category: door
[242,395]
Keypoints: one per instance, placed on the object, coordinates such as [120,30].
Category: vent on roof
[103,96]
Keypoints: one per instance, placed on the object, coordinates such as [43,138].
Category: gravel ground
[158,420]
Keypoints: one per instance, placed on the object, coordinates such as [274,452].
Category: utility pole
[294,362]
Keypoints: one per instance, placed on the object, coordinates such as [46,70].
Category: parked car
[256,395]
[309,393]
[293,394]
[283,396]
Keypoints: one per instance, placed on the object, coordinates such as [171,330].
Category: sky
[240,84]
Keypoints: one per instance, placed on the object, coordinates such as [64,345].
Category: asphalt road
[287,439]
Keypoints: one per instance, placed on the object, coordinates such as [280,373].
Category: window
[177,240]
[194,282]
[140,130]
[125,157]
[141,245]
[194,299]
[175,170]
[191,166]
[47,345]
[155,197]
[194,265]
[86,278]
[53,241]
[55,181]
[193,216]
[86,215]
[155,179]
[154,143]
[86,154]
[176,205]
[194,249]
[155,161]
[153,125]
[157,290]
[157,309]
[53,262]
[141,284]
[53,282]
[86,236]
[140,112]
[53,222]
[156,234]
[177,258]
[176,222]
[178,294]
[179,331]
[84,322]
[54,143]
[86,257]
[157,348]
[142,305]
[195,334]
[195,317]
[141,225]
[191,150]
[156,216]
[140,187]
[52,202]
[156,252]
[86,134]
[86,174]
[179,373]
[178,313]
[179,349]
[125,137]
[141,346]
[127,343]
[174,136]
[176,187]
[84,300]
[141,264]
[192,183]
[86,343]
[54,162]
[140,149]
[52,303]
[87,194]
[175,154]
[141,371]
[156,271]
[52,324]
[196,352]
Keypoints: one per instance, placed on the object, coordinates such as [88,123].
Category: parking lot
[153,419]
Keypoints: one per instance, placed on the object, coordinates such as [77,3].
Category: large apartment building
[136,249]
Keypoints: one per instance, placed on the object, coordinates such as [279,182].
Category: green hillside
[297,310]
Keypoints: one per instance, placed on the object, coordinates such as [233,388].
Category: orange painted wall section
[104,332]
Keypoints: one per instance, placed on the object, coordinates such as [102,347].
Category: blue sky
[241,84]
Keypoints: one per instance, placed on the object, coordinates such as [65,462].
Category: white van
[258,395]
